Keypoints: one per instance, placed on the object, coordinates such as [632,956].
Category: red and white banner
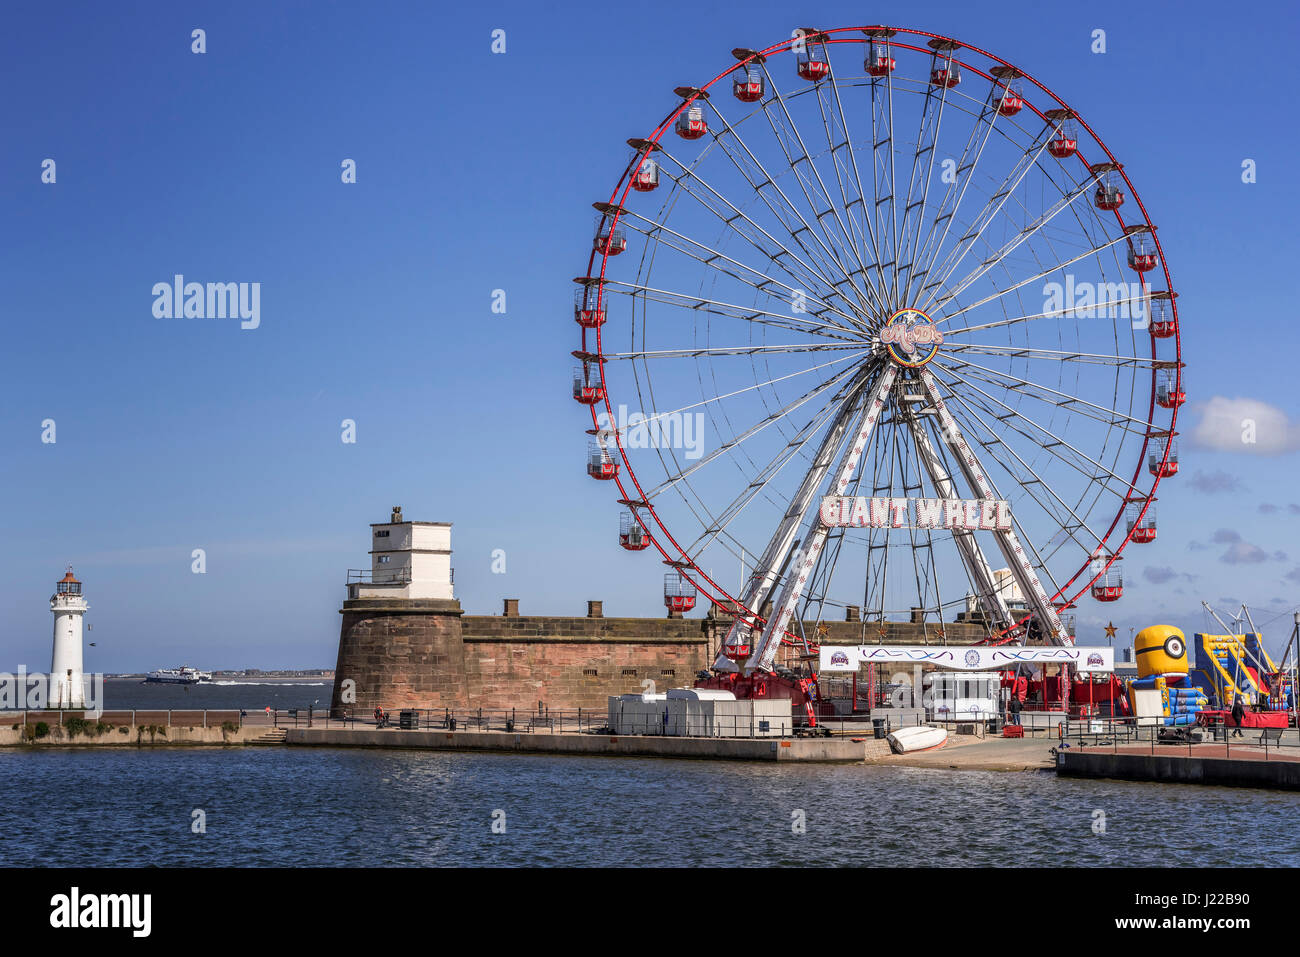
[976,658]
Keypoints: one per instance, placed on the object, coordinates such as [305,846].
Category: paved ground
[967,752]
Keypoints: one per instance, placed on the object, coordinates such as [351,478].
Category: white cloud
[1211,483]
[1245,425]
[1244,553]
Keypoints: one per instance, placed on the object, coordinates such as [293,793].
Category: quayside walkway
[832,749]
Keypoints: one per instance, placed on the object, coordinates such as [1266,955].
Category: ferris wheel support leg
[768,568]
[1021,569]
[801,566]
[991,600]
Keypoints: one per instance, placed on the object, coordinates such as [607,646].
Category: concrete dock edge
[831,750]
[1234,772]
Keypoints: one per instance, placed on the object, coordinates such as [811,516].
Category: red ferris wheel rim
[684,562]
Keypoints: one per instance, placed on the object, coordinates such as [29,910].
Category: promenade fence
[159,717]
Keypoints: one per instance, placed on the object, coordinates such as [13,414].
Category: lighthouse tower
[67,684]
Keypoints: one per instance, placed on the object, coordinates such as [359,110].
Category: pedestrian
[1238,712]
[1013,711]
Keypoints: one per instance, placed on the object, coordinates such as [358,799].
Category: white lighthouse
[67,684]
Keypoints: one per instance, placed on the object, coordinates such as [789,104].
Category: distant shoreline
[251,679]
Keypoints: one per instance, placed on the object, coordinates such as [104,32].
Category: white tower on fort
[67,684]
[407,560]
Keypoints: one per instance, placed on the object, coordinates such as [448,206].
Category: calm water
[251,695]
[347,807]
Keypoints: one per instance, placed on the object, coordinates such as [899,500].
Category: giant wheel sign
[923,318]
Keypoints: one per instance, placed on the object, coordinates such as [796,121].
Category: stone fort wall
[426,653]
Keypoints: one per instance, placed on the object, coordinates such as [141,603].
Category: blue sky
[476,172]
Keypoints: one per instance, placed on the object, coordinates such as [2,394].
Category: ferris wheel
[866,316]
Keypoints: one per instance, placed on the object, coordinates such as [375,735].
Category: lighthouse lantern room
[67,683]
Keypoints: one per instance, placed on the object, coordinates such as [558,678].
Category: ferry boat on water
[184,675]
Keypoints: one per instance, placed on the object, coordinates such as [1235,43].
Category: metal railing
[1198,740]
[512,720]
[580,721]
[1088,733]
[118,717]
[367,576]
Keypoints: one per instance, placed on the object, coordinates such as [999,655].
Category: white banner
[976,658]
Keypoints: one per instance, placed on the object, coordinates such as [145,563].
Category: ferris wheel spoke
[873,215]
[841,537]
[995,437]
[1022,568]
[753,430]
[770,470]
[987,215]
[977,567]
[795,231]
[857,417]
[1063,203]
[703,403]
[835,251]
[711,259]
[893,191]
[1098,473]
[828,330]
[804,559]
[704,351]
[1095,251]
[964,173]
[804,274]
[837,140]
[1054,355]
[862,195]
[890,459]
[950,336]
[1067,528]
[1101,475]
[1054,398]
[911,250]
[706,255]
[860,238]
[913,489]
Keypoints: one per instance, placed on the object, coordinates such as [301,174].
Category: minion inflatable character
[1161,652]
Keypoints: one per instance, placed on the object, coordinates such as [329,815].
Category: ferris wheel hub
[911,338]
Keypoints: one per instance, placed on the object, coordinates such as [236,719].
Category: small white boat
[910,740]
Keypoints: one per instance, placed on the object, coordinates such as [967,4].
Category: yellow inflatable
[1161,651]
